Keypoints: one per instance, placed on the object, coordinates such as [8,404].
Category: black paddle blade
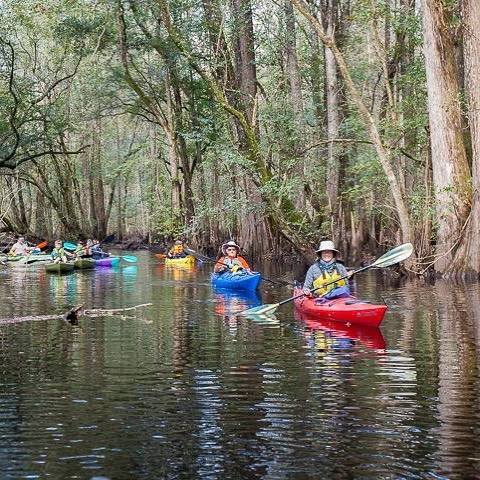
[109,238]
[199,255]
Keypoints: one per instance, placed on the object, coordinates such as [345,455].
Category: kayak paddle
[42,245]
[73,246]
[69,246]
[212,260]
[127,258]
[396,255]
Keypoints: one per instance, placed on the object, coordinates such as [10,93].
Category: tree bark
[173,160]
[451,175]
[296,99]
[293,69]
[332,94]
[467,258]
[244,47]
[252,229]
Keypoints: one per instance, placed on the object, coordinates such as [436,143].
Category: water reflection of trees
[186,395]
[458,394]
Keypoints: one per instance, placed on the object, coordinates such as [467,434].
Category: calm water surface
[188,389]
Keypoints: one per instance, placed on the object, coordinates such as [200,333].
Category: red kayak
[348,310]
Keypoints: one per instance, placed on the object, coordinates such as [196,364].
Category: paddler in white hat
[325,271]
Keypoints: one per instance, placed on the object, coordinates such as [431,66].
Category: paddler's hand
[350,273]
[307,292]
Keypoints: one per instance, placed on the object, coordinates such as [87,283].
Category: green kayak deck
[84,263]
[59,267]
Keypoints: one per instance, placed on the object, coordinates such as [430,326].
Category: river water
[188,389]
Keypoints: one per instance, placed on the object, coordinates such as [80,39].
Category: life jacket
[177,251]
[231,263]
[327,276]
[81,250]
[97,253]
[58,253]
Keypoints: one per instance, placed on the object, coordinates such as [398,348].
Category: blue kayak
[240,281]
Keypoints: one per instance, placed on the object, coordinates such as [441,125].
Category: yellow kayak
[180,262]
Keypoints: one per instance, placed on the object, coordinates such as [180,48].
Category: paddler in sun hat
[230,259]
[325,270]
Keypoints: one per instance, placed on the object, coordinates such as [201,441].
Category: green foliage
[100,105]
[166,223]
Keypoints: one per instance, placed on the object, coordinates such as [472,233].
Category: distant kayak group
[64,256]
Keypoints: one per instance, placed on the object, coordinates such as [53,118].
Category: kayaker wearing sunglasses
[231,260]
[325,270]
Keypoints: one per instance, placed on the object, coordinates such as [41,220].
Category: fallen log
[113,311]
[73,315]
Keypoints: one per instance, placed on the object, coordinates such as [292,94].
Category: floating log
[72,315]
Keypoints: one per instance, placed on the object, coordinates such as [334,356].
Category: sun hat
[326,245]
[231,243]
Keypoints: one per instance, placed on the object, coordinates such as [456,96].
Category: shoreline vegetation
[276,124]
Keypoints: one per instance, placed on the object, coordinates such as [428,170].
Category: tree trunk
[468,255]
[252,228]
[173,160]
[451,175]
[244,47]
[296,98]
[332,91]
[42,226]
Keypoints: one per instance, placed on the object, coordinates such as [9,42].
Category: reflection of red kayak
[348,310]
[370,336]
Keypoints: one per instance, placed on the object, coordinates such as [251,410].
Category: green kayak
[15,258]
[29,259]
[59,267]
[84,263]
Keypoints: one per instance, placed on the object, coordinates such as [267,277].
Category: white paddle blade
[396,255]
[261,310]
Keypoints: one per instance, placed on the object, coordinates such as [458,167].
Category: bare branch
[4,163]
[57,82]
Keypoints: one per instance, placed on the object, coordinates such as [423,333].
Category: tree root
[72,315]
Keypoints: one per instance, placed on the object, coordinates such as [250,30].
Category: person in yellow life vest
[59,254]
[326,270]
[231,260]
[177,251]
